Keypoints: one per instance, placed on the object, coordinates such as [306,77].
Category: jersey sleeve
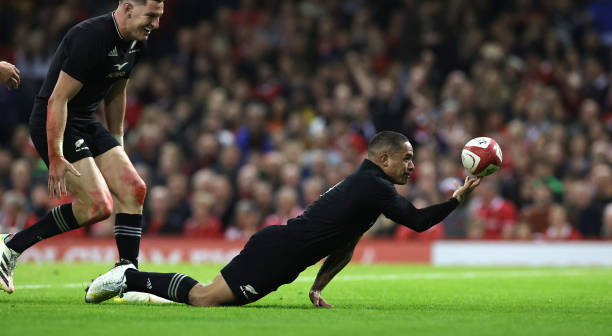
[400,210]
[83,52]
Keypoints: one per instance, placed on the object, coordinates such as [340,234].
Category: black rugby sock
[171,286]
[128,229]
[59,220]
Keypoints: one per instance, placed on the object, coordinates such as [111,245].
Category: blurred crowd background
[244,112]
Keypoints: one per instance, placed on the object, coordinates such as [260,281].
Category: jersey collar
[368,165]
[116,26]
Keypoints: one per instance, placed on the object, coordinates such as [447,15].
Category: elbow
[421,225]
[421,229]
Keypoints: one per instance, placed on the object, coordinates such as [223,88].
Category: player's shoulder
[93,29]
[371,180]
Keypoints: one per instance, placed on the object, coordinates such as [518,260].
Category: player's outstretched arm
[334,263]
[400,210]
[9,75]
[57,113]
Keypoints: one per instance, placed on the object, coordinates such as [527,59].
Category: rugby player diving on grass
[330,228]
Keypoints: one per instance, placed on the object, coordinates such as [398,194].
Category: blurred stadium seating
[245,111]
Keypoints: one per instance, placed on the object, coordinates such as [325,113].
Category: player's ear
[384,159]
[128,7]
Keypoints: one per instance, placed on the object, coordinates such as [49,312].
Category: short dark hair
[140,2]
[388,141]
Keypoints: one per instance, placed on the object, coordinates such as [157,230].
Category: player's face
[399,164]
[144,19]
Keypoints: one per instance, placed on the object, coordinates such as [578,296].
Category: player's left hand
[317,300]
[463,191]
[9,75]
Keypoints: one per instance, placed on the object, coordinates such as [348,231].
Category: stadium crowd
[245,111]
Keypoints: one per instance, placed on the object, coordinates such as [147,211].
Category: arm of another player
[334,263]
[114,105]
[400,210]
[9,75]
[57,113]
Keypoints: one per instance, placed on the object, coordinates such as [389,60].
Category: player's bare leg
[129,191]
[216,293]
[93,203]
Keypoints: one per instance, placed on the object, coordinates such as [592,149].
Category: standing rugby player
[92,64]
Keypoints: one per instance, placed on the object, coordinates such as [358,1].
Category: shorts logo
[248,288]
[78,145]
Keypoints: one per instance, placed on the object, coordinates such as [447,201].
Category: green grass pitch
[370,300]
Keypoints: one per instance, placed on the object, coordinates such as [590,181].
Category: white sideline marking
[391,277]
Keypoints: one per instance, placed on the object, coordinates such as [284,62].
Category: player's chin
[144,35]
[403,179]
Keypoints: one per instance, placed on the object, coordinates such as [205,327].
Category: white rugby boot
[8,262]
[108,285]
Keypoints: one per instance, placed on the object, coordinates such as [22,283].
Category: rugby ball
[481,156]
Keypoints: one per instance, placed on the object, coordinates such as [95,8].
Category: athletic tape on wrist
[58,147]
[119,138]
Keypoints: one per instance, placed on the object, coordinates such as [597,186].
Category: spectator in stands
[312,188]
[202,223]
[559,228]
[254,137]
[246,222]
[179,208]
[287,205]
[224,199]
[264,198]
[537,215]
[14,215]
[493,217]
[157,214]
[20,177]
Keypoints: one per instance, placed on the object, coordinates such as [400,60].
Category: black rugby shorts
[84,137]
[267,261]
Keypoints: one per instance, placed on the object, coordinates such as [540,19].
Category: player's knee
[134,189]
[101,205]
[140,190]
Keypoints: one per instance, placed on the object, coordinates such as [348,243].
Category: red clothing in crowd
[211,229]
[279,219]
[434,233]
[496,215]
[567,232]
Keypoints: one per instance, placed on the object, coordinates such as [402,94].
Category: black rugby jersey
[94,53]
[349,209]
